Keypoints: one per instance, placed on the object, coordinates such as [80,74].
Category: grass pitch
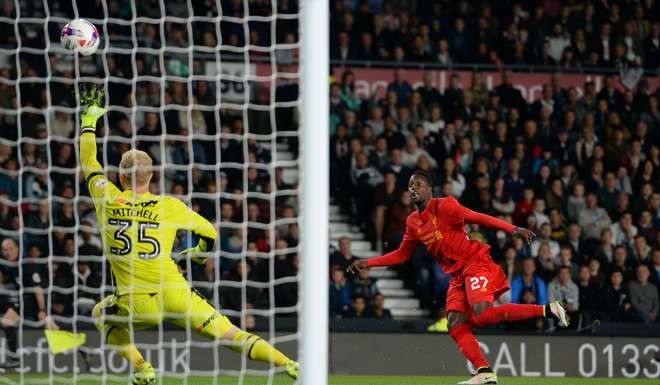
[334,380]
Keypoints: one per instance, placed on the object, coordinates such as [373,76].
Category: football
[80,35]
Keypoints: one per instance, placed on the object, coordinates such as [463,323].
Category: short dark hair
[425,175]
[616,270]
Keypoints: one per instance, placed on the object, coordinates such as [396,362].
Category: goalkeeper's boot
[439,327]
[557,312]
[144,374]
[483,376]
[292,369]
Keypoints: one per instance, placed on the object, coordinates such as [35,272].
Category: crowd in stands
[567,34]
[580,171]
[48,227]
[353,296]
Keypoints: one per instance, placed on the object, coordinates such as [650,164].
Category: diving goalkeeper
[138,230]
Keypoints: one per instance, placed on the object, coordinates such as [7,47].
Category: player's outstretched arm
[91,98]
[489,221]
[396,257]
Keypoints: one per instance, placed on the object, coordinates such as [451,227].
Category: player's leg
[8,323]
[117,335]
[487,314]
[195,311]
[484,283]
[460,330]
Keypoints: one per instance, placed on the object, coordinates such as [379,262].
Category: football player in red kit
[477,282]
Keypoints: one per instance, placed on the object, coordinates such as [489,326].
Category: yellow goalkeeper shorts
[182,307]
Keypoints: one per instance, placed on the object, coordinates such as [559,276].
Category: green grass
[334,380]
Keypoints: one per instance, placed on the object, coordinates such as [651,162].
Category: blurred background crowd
[578,167]
[207,149]
[568,34]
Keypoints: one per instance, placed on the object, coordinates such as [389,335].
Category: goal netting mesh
[209,88]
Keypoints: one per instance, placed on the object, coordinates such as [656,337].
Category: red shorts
[480,281]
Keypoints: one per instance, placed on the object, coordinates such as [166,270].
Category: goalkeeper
[138,230]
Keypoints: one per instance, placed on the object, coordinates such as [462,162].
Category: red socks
[468,345]
[467,342]
[507,313]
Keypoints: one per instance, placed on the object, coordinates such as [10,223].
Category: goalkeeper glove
[92,98]
[195,255]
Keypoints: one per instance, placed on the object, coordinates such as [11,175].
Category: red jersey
[441,228]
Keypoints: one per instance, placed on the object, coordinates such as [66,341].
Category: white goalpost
[240,99]
[315,47]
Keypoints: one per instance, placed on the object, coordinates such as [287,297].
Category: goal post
[315,199]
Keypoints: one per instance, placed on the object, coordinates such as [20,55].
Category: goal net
[209,89]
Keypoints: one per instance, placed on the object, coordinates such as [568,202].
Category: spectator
[562,288]
[364,285]
[529,281]
[358,308]
[641,251]
[511,267]
[378,308]
[9,182]
[343,257]
[89,284]
[396,219]
[597,275]
[644,296]
[452,175]
[616,300]
[364,179]
[546,262]
[524,206]
[539,212]
[620,261]
[576,242]
[655,268]
[502,202]
[646,228]
[411,153]
[576,201]
[623,231]
[385,196]
[593,219]
[558,42]
[514,183]
[340,294]
[559,232]
[590,297]
[567,259]
[434,124]
[401,86]
[401,171]
[231,293]
[544,236]
[607,195]
[605,250]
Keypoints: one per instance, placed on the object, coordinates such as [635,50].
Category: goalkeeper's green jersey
[138,230]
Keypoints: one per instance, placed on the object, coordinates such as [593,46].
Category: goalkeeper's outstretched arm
[92,99]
